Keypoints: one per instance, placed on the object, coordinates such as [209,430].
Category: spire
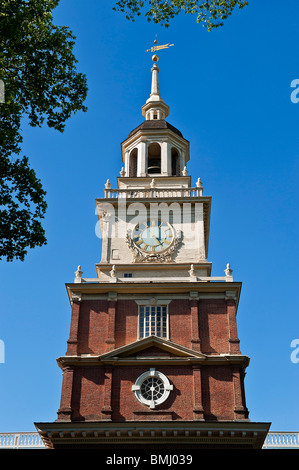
[155,108]
[155,77]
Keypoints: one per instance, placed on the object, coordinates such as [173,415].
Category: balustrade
[282,440]
[32,440]
[152,193]
[21,440]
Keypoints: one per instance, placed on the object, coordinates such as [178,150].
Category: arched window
[154,158]
[175,162]
[133,163]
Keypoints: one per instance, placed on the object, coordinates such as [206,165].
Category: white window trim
[153,302]
[136,388]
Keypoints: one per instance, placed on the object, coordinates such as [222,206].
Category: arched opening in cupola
[154,158]
[175,162]
[133,163]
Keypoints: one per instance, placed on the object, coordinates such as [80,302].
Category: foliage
[38,68]
[22,205]
[210,13]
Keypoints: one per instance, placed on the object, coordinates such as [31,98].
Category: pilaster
[234,342]
[107,408]
[240,410]
[110,341]
[195,336]
[72,343]
[198,411]
[65,410]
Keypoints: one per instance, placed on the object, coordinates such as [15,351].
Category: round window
[152,388]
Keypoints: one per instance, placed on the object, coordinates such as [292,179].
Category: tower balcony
[153,192]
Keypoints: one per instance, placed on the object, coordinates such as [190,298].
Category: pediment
[152,347]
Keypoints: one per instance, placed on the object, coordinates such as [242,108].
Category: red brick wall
[89,392]
[179,404]
[218,393]
[180,322]
[93,327]
[213,325]
[96,396]
[126,322]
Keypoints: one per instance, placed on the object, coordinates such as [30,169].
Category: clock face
[153,236]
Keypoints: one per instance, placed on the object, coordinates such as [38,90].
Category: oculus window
[152,388]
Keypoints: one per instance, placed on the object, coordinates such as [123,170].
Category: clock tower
[153,359]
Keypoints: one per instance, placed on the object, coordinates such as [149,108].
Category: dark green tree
[210,13]
[41,84]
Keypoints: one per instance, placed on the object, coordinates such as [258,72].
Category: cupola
[155,148]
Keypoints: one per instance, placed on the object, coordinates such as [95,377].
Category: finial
[199,183]
[192,272]
[113,271]
[78,274]
[228,272]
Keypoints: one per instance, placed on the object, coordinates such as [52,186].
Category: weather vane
[156,48]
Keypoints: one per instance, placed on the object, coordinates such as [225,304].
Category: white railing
[282,440]
[152,192]
[157,279]
[21,440]
[32,440]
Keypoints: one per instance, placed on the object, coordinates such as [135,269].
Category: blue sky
[229,94]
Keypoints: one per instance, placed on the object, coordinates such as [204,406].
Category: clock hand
[156,239]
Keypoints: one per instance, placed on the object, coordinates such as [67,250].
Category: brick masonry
[103,392]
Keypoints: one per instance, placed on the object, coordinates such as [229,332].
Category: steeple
[155,108]
[155,148]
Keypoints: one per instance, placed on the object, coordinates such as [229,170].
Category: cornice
[151,287]
[146,200]
[157,134]
[150,266]
[198,433]
[148,179]
[205,361]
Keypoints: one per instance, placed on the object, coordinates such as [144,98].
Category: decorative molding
[76,297]
[193,295]
[112,296]
[152,301]
[230,295]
